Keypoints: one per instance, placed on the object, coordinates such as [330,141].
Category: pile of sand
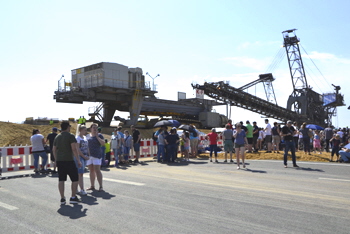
[19,134]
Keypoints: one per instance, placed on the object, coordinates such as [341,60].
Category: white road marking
[9,207]
[334,179]
[121,181]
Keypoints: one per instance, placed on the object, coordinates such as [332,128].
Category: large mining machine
[117,87]
[303,105]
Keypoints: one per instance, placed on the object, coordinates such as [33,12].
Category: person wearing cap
[213,137]
[65,150]
[249,135]
[50,138]
[288,131]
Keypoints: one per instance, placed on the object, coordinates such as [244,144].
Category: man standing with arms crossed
[64,150]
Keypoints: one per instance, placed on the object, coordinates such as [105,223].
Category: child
[317,142]
[335,147]
[108,152]
[182,145]
[127,145]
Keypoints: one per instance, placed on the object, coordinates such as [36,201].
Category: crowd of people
[72,154]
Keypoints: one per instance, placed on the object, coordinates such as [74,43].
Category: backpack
[153,136]
[194,133]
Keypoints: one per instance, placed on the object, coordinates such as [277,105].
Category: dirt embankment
[19,134]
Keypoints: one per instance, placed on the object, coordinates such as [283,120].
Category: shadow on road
[309,169]
[103,194]
[89,200]
[255,171]
[73,212]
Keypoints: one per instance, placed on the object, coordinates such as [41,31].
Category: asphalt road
[194,197]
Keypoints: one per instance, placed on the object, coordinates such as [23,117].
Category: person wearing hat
[50,138]
[288,131]
[213,138]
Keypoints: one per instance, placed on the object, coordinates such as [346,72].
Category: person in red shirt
[213,137]
[229,122]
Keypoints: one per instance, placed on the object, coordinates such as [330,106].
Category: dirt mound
[19,134]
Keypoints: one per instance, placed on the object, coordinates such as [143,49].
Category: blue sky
[183,41]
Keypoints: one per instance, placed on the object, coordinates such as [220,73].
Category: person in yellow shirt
[108,152]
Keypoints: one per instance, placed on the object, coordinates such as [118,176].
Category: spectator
[107,152]
[255,137]
[171,142]
[249,135]
[194,140]
[229,122]
[213,137]
[341,134]
[186,139]
[288,131]
[306,132]
[83,152]
[161,145]
[136,136]
[345,154]
[240,140]
[296,136]
[50,138]
[127,145]
[261,138]
[95,142]
[317,141]
[38,143]
[276,139]
[65,150]
[268,136]
[328,133]
[103,150]
[115,146]
[335,147]
[227,136]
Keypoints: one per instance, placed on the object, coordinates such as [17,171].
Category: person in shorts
[227,136]
[240,142]
[65,151]
[83,152]
[95,141]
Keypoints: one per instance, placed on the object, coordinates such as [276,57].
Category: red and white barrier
[15,158]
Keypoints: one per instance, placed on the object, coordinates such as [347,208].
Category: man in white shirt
[268,136]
